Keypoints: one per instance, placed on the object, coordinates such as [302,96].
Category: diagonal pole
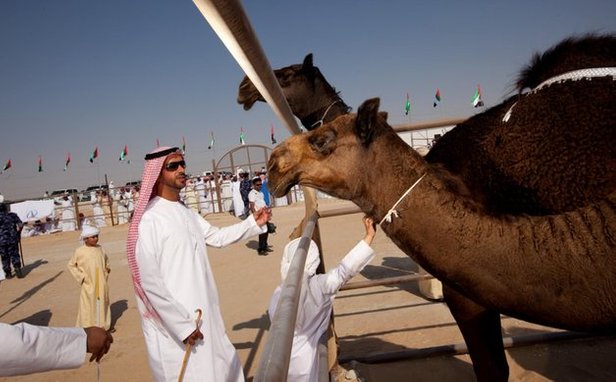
[228,19]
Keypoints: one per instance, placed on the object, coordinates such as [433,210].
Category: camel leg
[481,329]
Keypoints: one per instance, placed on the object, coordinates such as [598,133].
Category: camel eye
[284,78]
[324,142]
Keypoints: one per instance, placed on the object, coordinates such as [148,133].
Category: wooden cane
[98,321]
[188,347]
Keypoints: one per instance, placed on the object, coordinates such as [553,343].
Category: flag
[477,101]
[40,164]
[183,145]
[124,153]
[407,106]
[68,160]
[211,146]
[437,97]
[157,143]
[94,154]
[242,137]
[7,165]
[272,135]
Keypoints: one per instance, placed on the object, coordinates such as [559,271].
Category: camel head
[296,81]
[306,90]
[340,158]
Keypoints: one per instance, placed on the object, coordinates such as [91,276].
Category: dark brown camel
[557,270]
[515,167]
[311,98]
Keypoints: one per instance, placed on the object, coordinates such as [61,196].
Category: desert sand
[368,321]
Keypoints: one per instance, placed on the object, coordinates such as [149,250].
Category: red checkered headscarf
[153,165]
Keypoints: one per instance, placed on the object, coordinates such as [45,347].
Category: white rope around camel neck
[392,211]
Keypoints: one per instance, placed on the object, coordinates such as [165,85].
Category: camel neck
[330,110]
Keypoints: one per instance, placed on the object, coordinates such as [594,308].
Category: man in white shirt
[256,201]
[167,257]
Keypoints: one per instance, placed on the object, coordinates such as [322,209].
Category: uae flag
[157,143]
[477,101]
[407,105]
[7,165]
[272,135]
[211,145]
[124,153]
[183,145]
[40,164]
[242,137]
[94,154]
[437,98]
[68,160]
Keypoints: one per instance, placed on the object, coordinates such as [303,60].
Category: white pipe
[228,19]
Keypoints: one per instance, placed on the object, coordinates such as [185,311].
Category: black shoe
[19,273]
[269,249]
[262,252]
[8,274]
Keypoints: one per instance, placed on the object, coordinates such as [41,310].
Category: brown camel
[554,154]
[311,98]
[556,270]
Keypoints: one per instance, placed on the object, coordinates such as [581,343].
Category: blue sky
[77,74]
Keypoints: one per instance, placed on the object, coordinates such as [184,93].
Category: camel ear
[365,124]
[307,65]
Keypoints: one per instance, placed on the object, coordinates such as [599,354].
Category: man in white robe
[238,202]
[68,214]
[167,256]
[316,299]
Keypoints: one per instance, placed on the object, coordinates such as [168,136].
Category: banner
[32,210]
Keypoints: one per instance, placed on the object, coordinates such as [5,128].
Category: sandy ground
[368,321]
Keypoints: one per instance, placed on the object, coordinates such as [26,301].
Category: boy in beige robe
[87,264]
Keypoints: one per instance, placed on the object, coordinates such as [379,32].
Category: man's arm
[30,349]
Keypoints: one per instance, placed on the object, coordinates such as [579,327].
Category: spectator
[255,203]
[90,268]
[10,229]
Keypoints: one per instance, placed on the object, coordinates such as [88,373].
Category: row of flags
[124,153]
[476,101]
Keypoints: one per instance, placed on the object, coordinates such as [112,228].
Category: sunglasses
[172,166]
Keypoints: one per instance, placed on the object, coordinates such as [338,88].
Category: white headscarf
[153,166]
[89,231]
[312,258]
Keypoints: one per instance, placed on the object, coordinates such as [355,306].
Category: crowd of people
[167,257]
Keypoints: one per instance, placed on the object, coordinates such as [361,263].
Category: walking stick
[21,252]
[98,321]
[188,346]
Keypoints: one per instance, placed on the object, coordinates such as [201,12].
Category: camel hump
[588,51]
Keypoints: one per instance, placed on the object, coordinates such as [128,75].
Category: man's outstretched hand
[98,343]
[263,215]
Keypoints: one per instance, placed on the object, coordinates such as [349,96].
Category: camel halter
[575,75]
[320,121]
[392,213]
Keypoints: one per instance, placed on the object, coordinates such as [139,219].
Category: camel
[556,270]
[311,98]
[518,166]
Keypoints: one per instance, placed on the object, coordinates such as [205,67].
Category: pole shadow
[41,318]
[29,293]
[117,309]
[262,324]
